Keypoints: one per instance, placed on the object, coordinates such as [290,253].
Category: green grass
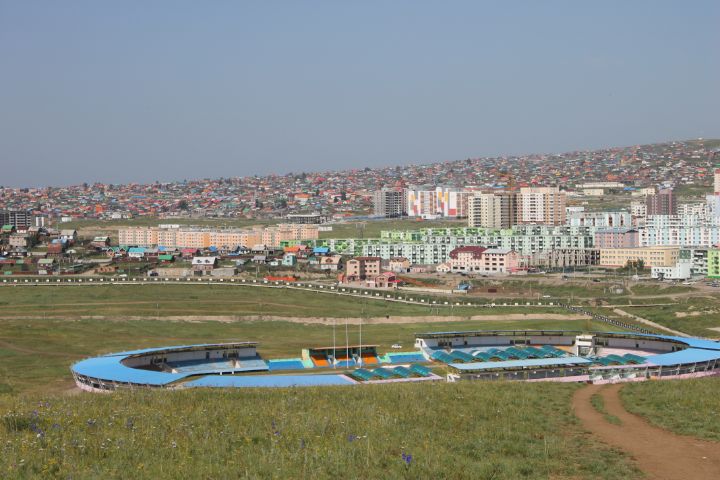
[687,407]
[467,430]
[229,300]
[697,316]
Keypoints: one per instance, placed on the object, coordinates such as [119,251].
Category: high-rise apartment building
[390,202]
[661,203]
[21,218]
[429,202]
[541,205]
[492,210]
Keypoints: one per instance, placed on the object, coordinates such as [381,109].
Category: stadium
[522,355]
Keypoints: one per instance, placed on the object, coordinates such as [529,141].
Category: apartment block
[429,202]
[390,202]
[492,210]
[661,203]
[651,256]
[541,205]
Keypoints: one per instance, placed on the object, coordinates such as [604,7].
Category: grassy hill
[470,430]
[688,407]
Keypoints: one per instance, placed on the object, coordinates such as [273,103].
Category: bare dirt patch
[330,320]
[659,453]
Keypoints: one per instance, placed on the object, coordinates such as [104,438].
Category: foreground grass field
[688,407]
[470,430]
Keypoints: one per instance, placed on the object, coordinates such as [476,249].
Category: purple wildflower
[352,437]
[407,458]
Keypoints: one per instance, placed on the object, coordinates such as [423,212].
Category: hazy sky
[164,90]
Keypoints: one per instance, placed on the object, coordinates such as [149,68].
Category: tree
[183,204]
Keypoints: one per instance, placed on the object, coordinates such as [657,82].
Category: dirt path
[323,320]
[662,455]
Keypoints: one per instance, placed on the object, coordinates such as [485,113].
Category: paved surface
[660,454]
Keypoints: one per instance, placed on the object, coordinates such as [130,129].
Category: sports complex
[522,355]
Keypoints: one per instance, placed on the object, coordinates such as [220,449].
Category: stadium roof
[110,369]
[690,355]
[519,364]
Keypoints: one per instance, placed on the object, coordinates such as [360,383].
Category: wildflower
[91,422]
[407,458]
[352,437]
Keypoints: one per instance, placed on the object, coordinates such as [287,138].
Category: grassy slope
[469,430]
[704,315]
[688,407]
[162,300]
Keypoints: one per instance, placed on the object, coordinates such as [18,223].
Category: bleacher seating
[402,372]
[320,360]
[369,359]
[616,359]
[221,365]
[462,357]
[345,363]
[363,375]
[383,373]
[420,370]
[634,359]
[442,356]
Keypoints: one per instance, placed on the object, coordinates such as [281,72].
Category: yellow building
[651,256]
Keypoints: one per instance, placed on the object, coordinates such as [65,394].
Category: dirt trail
[662,455]
[321,320]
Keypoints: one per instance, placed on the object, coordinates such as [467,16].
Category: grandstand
[384,374]
[568,355]
[530,355]
[342,356]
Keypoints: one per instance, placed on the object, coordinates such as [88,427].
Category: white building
[679,271]
[680,230]
[599,219]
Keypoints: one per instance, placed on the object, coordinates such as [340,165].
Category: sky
[140,91]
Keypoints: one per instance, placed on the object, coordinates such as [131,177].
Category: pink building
[482,260]
[617,238]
